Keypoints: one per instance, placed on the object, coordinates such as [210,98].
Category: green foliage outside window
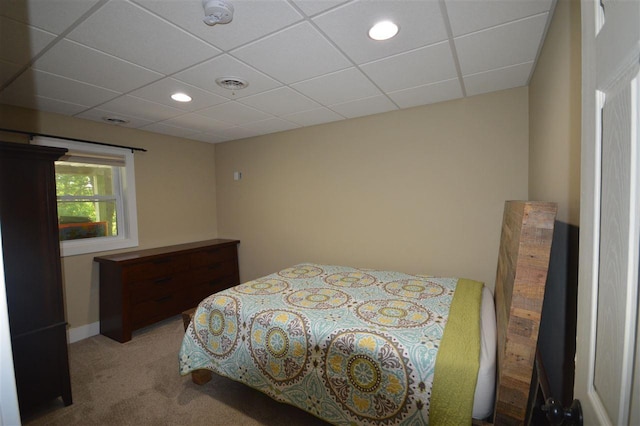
[85,194]
[78,185]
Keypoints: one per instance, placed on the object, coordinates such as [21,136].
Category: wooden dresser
[32,273]
[139,288]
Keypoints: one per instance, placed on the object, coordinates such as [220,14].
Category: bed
[361,346]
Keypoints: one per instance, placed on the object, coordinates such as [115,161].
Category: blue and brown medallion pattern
[318,298]
[368,375]
[352,279]
[262,286]
[279,344]
[349,345]
[393,313]
[217,328]
[415,288]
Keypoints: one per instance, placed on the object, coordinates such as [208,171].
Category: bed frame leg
[199,377]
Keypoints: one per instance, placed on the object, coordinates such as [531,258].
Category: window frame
[128,223]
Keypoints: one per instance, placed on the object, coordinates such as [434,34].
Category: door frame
[590,217]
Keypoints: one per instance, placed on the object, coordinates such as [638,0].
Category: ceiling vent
[231,83]
[115,120]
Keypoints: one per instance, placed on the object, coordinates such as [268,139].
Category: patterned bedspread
[347,345]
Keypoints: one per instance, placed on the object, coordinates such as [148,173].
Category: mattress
[352,346]
[485,387]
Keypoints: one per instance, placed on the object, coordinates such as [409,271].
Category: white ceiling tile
[248,24]
[39,83]
[338,87]
[98,114]
[467,16]
[313,7]
[500,79]
[363,107]
[295,54]
[420,24]
[416,68]
[280,101]
[313,117]
[204,76]
[271,125]
[427,94]
[19,42]
[43,104]
[209,138]
[234,113]
[7,71]
[306,61]
[238,133]
[166,129]
[501,46]
[160,92]
[198,123]
[133,34]
[50,15]
[130,106]
[78,62]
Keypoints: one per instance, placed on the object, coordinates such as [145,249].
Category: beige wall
[418,190]
[555,114]
[175,186]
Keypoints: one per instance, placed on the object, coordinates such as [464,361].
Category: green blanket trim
[458,360]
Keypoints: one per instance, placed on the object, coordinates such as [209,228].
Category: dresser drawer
[213,255]
[153,310]
[142,287]
[203,290]
[160,286]
[214,271]
[156,267]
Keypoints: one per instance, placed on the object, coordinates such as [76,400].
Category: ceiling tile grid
[501,46]
[20,42]
[306,62]
[78,62]
[157,92]
[52,16]
[252,20]
[420,23]
[294,54]
[428,93]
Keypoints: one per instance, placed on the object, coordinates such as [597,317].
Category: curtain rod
[32,134]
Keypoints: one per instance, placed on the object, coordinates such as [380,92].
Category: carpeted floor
[137,383]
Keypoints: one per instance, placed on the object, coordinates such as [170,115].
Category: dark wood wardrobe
[32,268]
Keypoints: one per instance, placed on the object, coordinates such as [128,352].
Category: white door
[9,411]
[608,350]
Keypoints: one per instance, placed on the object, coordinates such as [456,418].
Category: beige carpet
[137,383]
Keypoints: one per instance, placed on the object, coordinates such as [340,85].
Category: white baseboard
[84,332]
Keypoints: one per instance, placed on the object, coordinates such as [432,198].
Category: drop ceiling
[307,62]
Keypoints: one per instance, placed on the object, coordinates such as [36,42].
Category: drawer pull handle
[162,280]
[163,299]
[215,266]
[161,261]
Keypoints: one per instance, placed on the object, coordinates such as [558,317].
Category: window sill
[93,245]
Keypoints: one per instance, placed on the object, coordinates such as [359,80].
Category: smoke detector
[217,12]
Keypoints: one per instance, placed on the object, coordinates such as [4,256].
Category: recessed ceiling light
[383,30]
[181,97]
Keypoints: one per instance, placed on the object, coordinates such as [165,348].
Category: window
[95,187]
